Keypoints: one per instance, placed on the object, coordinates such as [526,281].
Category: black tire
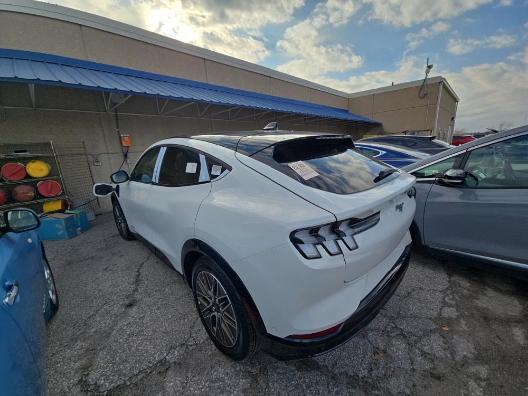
[121,223]
[239,341]
[416,239]
[52,297]
[417,243]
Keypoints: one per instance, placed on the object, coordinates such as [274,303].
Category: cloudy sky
[480,46]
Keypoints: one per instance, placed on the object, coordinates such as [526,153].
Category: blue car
[424,144]
[28,299]
[397,157]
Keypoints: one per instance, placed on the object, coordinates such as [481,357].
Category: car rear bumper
[367,310]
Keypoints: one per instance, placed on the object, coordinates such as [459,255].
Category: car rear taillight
[310,241]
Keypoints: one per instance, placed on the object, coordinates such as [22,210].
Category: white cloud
[231,27]
[407,69]
[461,46]
[312,55]
[412,12]
[399,12]
[335,12]
[234,27]
[492,94]
[505,3]
[417,38]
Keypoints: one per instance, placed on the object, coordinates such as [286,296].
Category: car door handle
[11,294]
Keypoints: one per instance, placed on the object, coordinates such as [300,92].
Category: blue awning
[45,69]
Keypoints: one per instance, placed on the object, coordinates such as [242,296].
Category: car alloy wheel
[121,223]
[216,309]
[51,304]
[222,310]
[50,284]
[120,220]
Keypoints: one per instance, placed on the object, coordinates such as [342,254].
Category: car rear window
[326,163]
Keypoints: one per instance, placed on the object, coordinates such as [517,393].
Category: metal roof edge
[66,14]
[410,84]
[339,113]
[91,65]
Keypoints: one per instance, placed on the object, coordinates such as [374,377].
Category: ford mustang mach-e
[289,241]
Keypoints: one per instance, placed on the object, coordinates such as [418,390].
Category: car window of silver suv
[438,168]
[500,165]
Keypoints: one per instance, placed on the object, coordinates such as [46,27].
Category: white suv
[291,242]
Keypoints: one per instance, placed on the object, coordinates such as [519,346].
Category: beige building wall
[402,109]
[446,110]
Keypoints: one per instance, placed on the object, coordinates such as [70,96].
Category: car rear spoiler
[250,145]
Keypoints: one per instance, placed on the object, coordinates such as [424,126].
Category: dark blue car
[424,144]
[391,155]
[28,299]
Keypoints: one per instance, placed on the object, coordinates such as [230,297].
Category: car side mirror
[20,220]
[119,177]
[453,177]
[102,189]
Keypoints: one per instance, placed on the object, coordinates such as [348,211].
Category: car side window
[438,168]
[216,167]
[182,167]
[499,165]
[144,168]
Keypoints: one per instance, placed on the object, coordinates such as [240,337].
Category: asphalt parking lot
[127,325]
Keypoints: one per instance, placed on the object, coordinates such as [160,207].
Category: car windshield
[326,163]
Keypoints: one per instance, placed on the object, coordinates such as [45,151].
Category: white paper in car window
[303,169]
[191,167]
[216,170]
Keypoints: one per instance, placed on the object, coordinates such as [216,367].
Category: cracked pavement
[127,325]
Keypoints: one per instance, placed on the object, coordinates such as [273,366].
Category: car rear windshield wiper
[383,174]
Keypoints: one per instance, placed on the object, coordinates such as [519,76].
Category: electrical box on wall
[126,140]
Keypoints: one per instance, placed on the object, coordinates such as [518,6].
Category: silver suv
[473,199]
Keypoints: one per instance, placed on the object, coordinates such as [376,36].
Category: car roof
[399,149]
[421,137]
[464,147]
[250,142]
